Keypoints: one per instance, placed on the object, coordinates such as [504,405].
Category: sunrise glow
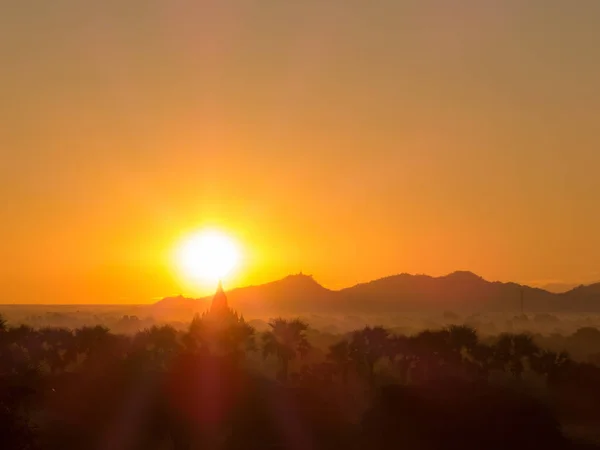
[207,256]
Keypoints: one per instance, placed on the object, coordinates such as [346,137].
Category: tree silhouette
[553,366]
[367,347]
[400,355]
[196,339]
[156,346]
[512,351]
[58,348]
[5,354]
[227,335]
[91,339]
[237,340]
[187,387]
[432,349]
[462,344]
[462,338]
[339,355]
[26,350]
[286,340]
[483,360]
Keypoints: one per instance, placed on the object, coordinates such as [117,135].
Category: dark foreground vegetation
[221,385]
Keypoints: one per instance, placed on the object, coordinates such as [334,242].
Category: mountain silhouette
[290,295]
[462,290]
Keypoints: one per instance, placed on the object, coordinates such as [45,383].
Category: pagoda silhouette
[219,306]
[219,311]
[220,330]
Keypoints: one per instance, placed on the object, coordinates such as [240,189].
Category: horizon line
[155,299]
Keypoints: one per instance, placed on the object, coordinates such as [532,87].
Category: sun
[207,256]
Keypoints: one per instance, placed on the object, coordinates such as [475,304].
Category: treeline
[222,385]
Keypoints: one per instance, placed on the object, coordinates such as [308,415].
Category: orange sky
[346,140]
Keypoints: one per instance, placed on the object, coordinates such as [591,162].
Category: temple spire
[219,301]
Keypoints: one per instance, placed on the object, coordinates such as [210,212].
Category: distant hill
[461,291]
[290,295]
[458,290]
[178,302]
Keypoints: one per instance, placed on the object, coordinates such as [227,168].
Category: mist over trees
[219,383]
[161,377]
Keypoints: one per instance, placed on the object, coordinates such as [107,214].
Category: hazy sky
[349,139]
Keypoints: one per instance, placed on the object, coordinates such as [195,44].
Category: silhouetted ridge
[293,294]
[592,289]
[464,276]
[461,290]
[297,281]
[177,302]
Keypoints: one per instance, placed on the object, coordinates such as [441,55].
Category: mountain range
[460,291]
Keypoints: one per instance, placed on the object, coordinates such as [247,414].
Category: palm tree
[237,339]
[483,360]
[462,343]
[57,342]
[339,354]
[155,345]
[462,338]
[285,340]
[20,333]
[432,349]
[230,336]
[5,362]
[551,365]
[195,339]
[29,342]
[23,352]
[3,325]
[400,355]
[367,347]
[91,340]
[513,350]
